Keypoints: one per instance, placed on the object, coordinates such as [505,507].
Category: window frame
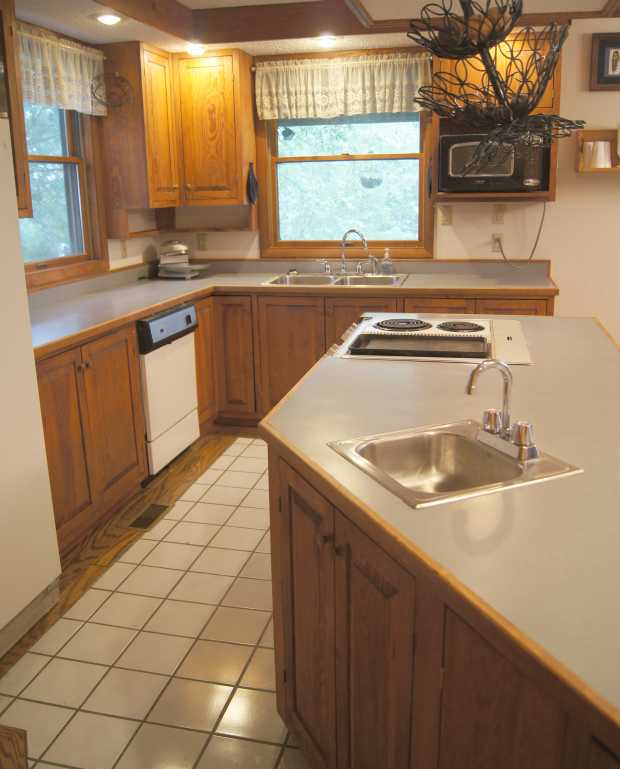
[84,144]
[267,166]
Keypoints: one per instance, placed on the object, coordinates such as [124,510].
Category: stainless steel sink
[302,280]
[444,463]
[370,280]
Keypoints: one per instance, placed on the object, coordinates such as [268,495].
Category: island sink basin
[444,463]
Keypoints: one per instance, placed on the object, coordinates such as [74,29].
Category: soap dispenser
[387,265]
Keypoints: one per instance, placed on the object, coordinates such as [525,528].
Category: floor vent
[146,518]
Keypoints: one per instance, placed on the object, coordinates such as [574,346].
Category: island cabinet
[291,335]
[344,614]
[216,126]
[502,306]
[600,758]
[93,425]
[234,358]
[440,305]
[341,313]
[205,360]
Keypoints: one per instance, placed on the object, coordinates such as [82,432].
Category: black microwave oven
[520,169]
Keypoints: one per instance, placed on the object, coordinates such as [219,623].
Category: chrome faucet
[516,440]
[344,243]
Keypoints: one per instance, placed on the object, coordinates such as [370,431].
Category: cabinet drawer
[441,305]
[501,306]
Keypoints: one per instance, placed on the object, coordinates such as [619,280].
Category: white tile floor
[167,661]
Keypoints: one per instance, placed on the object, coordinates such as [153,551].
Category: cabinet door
[601,758]
[303,564]
[440,305]
[234,349]
[292,339]
[115,415]
[374,641]
[491,715]
[209,130]
[341,313]
[501,306]
[15,106]
[161,143]
[67,442]
[205,360]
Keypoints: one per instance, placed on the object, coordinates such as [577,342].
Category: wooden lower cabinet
[234,357]
[291,336]
[492,715]
[344,614]
[501,306]
[441,305]
[205,360]
[341,313]
[600,758]
[93,424]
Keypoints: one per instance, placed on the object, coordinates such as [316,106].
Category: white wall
[581,234]
[29,559]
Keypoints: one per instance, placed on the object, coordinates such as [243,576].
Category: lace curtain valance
[58,72]
[327,88]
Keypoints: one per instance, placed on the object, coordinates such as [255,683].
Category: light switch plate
[201,241]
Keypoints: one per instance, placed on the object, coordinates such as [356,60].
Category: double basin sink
[325,279]
[445,463]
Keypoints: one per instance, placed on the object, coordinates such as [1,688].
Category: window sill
[54,275]
[313,250]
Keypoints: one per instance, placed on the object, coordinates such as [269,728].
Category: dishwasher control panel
[164,327]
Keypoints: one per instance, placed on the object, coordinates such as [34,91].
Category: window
[326,176]
[56,241]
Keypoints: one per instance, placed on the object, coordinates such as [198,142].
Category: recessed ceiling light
[195,49]
[327,41]
[109,19]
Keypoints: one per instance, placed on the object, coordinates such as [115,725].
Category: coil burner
[460,326]
[403,324]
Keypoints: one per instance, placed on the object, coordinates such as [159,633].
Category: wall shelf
[598,135]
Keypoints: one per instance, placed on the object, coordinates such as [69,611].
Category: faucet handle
[492,421]
[326,265]
[522,434]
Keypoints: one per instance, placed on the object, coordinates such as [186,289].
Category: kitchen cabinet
[140,136]
[601,758]
[491,714]
[303,576]
[341,313]
[440,305]
[344,623]
[501,306]
[94,430]
[217,127]
[291,335]
[234,355]
[205,360]
[374,605]
[14,105]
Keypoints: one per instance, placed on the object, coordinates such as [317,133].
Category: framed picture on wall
[605,63]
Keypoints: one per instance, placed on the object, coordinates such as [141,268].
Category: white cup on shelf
[601,155]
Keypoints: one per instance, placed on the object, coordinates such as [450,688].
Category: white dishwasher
[168,374]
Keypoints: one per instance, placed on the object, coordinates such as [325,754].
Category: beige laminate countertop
[58,322]
[545,557]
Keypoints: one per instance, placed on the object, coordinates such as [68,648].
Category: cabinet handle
[325,539]
[340,550]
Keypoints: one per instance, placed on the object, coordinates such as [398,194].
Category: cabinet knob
[340,550]
[189,186]
[325,539]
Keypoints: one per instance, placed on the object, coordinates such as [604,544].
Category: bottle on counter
[387,265]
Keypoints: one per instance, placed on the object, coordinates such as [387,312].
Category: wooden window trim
[94,260]
[272,248]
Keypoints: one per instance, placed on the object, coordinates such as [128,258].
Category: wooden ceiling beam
[166,15]
[611,9]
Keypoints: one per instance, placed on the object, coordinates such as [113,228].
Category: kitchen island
[477,634]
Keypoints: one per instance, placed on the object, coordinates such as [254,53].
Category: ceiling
[408,9]
[197,4]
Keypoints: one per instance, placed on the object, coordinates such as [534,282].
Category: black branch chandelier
[498,77]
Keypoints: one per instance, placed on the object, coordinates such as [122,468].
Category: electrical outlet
[496,243]
[201,241]
[499,210]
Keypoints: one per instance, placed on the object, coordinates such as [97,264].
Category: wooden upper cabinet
[303,563]
[217,127]
[375,607]
[341,313]
[205,360]
[140,136]
[491,714]
[115,414]
[234,356]
[292,339]
[68,446]
[12,75]
[161,140]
